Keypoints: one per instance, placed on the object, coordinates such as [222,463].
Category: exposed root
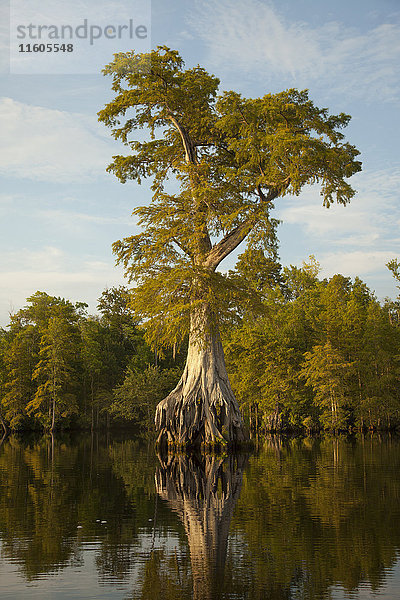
[202,411]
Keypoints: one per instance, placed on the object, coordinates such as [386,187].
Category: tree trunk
[53,416]
[275,420]
[203,492]
[4,425]
[202,410]
[53,402]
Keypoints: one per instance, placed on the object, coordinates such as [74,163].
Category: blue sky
[60,211]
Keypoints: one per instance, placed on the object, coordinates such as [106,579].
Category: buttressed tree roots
[202,409]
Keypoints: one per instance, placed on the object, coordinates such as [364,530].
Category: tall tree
[4,344]
[393,307]
[94,360]
[327,373]
[20,358]
[55,396]
[232,157]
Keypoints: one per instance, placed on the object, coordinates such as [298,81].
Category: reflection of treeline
[57,492]
[312,354]
[60,367]
[311,514]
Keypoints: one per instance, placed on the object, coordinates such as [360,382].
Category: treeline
[62,368]
[312,354]
[323,355]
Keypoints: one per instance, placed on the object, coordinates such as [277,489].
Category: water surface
[104,517]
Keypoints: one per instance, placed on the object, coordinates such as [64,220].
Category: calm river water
[103,517]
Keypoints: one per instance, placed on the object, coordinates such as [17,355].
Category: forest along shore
[321,354]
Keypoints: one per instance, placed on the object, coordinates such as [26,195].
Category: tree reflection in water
[316,518]
[203,491]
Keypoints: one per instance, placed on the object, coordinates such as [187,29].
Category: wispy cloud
[255,38]
[51,145]
[70,220]
[354,263]
[369,219]
[51,270]
[356,240]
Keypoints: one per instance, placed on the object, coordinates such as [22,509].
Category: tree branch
[228,243]
[184,249]
[189,147]
[204,242]
[237,235]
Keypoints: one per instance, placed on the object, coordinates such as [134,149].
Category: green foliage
[321,354]
[231,158]
[394,267]
[20,348]
[59,367]
[260,271]
[309,353]
[109,343]
[393,306]
[56,373]
[326,371]
[137,397]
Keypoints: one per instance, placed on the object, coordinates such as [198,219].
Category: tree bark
[202,410]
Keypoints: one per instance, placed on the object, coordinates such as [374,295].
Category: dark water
[97,517]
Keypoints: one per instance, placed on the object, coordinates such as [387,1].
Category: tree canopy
[217,161]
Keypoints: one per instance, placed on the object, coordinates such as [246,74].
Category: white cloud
[356,240]
[355,263]
[51,145]
[68,219]
[369,219]
[254,37]
[53,271]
